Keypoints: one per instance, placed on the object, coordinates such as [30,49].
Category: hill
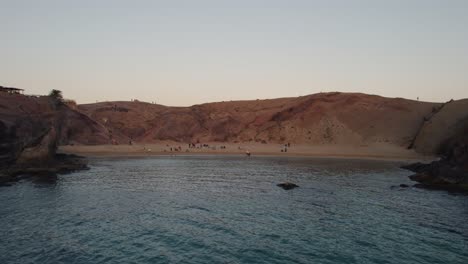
[325,118]
[340,119]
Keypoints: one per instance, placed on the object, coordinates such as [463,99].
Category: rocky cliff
[443,125]
[31,129]
[451,171]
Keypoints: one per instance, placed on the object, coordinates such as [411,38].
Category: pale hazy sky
[188,52]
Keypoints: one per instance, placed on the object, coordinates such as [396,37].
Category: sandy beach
[377,151]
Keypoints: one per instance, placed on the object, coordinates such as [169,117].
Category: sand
[377,151]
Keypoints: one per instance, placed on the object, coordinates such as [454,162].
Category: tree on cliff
[56,94]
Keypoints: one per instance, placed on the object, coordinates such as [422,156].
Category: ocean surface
[207,209]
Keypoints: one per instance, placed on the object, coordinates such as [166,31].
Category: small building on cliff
[11,90]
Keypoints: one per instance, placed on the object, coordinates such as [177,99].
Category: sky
[182,53]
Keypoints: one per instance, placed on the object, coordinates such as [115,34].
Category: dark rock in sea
[399,187]
[452,188]
[451,145]
[450,172]
[415,167]
[287,185]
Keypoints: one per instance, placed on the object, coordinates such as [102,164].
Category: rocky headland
[451,170]
[30,132]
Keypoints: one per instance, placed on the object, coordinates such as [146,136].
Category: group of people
[193,145]
[200,146]
[285,147]
[178,148]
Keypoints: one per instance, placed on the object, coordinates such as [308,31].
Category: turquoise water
[229,210]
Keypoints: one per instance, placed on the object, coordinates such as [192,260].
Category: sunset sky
[189,52]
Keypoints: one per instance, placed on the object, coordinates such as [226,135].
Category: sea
[229,209]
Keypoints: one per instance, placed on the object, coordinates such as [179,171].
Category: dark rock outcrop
[445,134]
[451,171]
[29,138]
[287,185]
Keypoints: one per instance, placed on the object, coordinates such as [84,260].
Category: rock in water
[450,172]
[287,185]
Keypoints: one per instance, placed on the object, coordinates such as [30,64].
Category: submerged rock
[287,185]
[399,187]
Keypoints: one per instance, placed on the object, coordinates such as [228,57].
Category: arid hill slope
[350,119]
[325,118]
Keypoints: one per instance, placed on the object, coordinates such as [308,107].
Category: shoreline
[387,153]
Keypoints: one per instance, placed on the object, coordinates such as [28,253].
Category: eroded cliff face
[78,128]
[444,133]
[25,122]
[8,147]
[42,150]
[31,129]
[442,127]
